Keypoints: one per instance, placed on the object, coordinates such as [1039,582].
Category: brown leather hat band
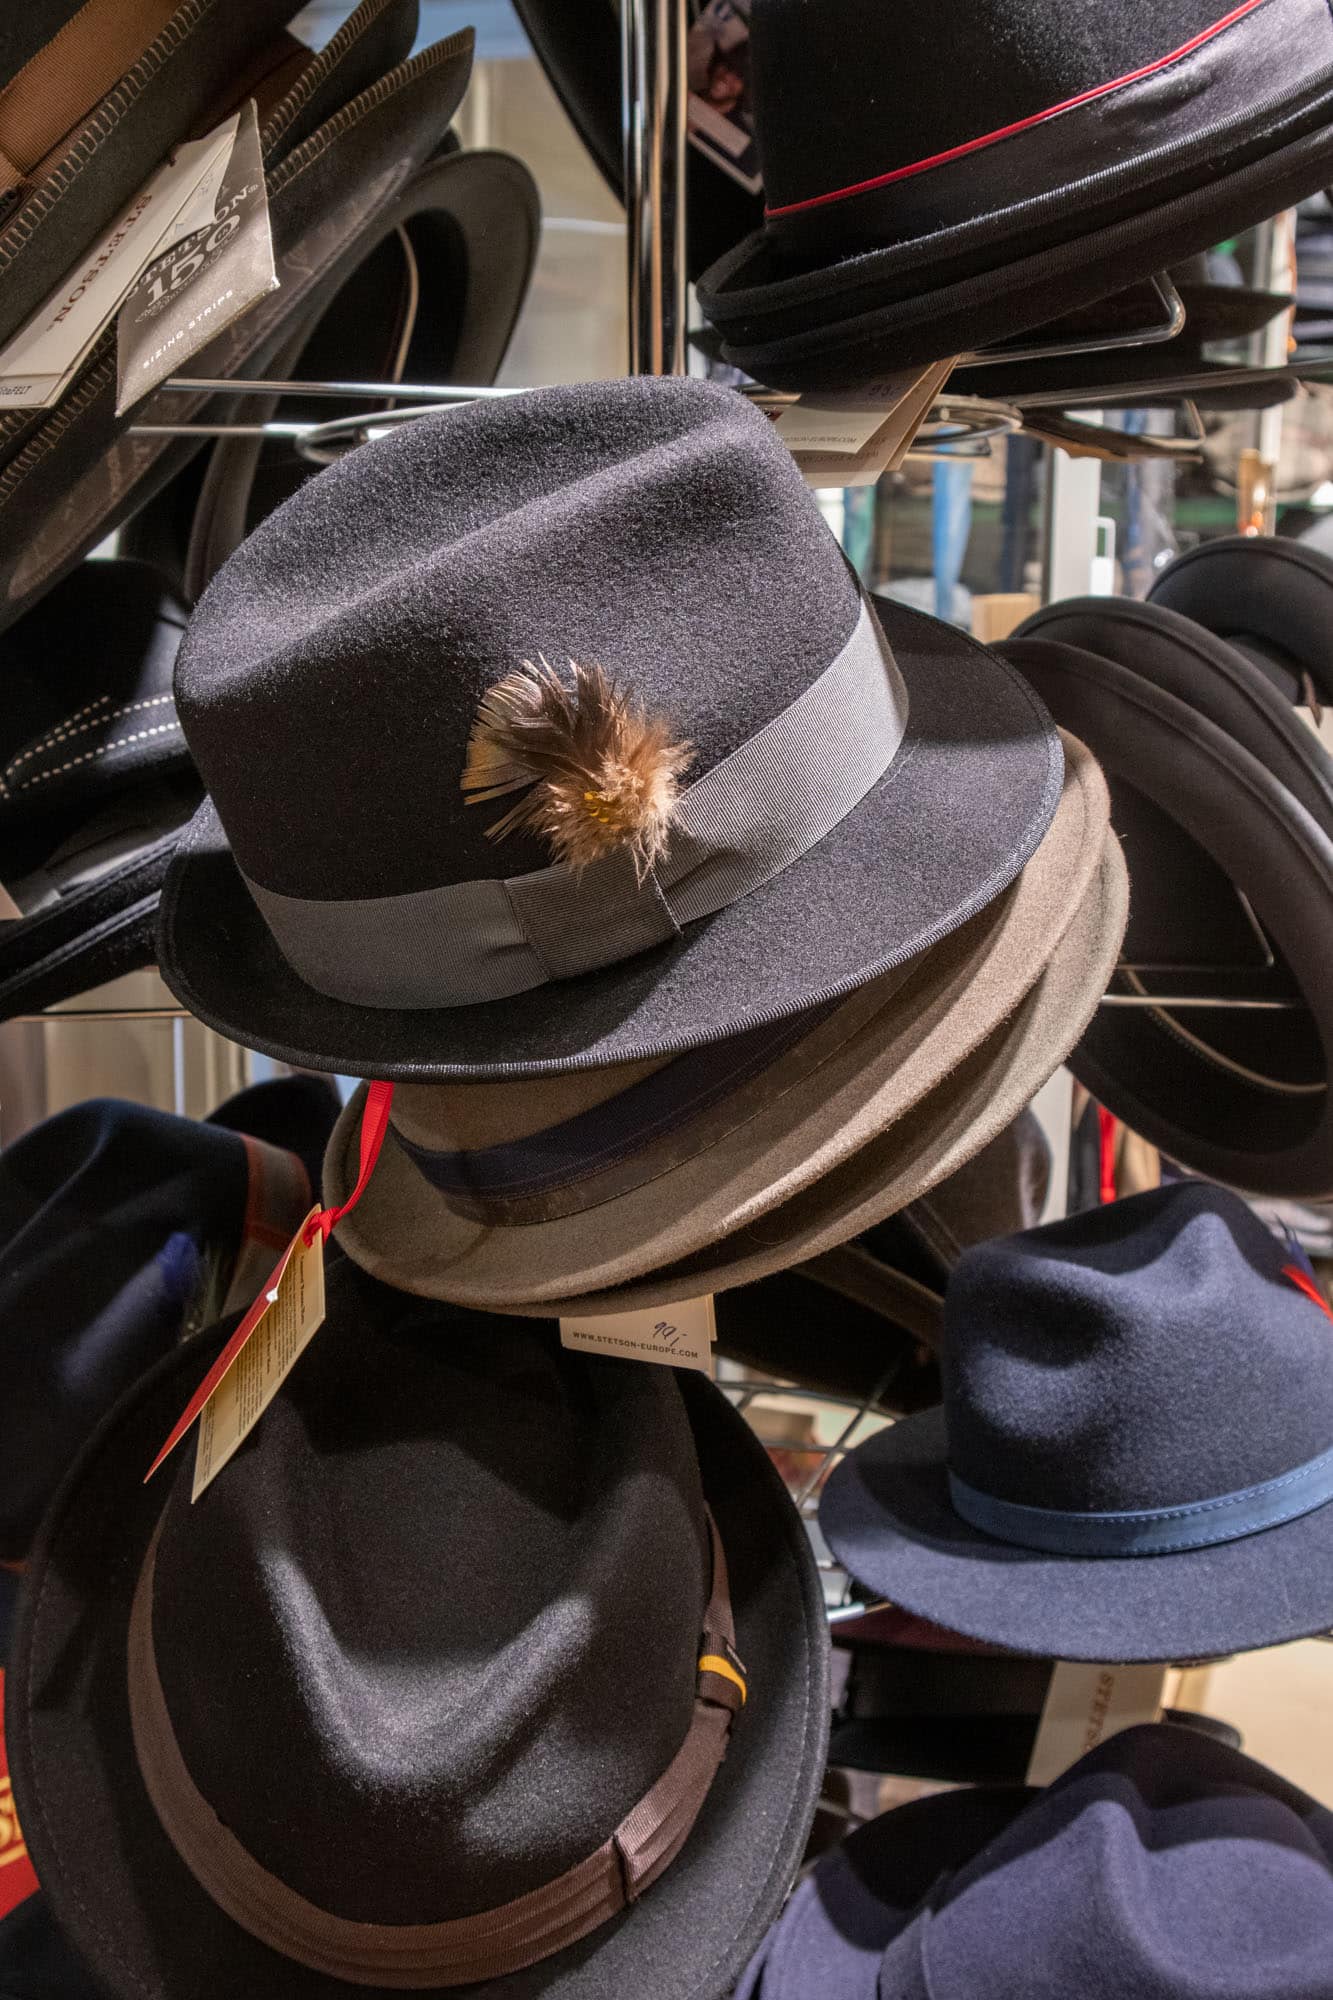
[461,1949]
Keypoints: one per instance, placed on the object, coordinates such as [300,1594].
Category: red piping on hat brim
[1021,125]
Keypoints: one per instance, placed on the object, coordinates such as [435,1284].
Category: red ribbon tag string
[1305,1283]
[1106,1143]
[323,1221]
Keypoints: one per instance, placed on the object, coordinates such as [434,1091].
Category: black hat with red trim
[939,180]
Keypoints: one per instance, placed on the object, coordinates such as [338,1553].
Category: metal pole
[654,95]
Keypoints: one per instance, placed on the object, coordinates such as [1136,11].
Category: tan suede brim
[808,1121]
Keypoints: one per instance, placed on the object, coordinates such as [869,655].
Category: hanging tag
[203,283]
[1086,1704]
[293,1312]
[294,1289]
[679,1335]
[852,439]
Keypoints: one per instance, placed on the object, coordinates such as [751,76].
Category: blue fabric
[1149,1531]
[1162,1866]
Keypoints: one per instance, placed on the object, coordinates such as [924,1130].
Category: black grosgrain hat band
[745,821]
[489,1944]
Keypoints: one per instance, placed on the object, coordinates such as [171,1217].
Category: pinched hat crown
[1161,1355]
[436,1674]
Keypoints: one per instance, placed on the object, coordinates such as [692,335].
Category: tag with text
[203,282]
[1086,1704]
[293,1313]
[680,1335]
[851,440]
[43,358]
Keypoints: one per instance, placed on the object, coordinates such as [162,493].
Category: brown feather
[600,774]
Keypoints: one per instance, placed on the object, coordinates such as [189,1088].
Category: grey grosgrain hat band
[767,804]
[488,1944]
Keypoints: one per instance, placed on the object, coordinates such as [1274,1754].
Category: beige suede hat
[534,1194]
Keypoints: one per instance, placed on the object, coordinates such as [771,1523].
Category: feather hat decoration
[599,773]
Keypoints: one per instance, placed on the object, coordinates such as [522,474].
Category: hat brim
[1158,1071]
[832,327]
[1265,588]
[851,1079]
[142,1921]
[887,1516]
[963,806]
[948,1126]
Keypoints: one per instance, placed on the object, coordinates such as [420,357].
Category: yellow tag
[1086,1704]
[292,1316]
[679,1335]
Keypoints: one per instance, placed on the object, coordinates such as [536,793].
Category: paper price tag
[850,440]
[293,1313]
[1086,1704]
[40,362]
[204,281]
[680,1335]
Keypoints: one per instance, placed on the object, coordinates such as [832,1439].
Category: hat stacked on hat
[544,1664]
[1089,1491]
[1160,1864]
[1223,797]
[658,915]
[1109,144]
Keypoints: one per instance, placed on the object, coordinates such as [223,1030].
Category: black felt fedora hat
[1085,1491]
[1159,1864]
[1222,797]
[541,1636]
[95,780]
[1111,145]
[339,147]
[122,1229]
[810,790]
[1269,597]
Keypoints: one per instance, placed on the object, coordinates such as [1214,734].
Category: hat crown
[954,74]
[434,1631]
[1145,1354]
[333,670]
[1168,1861]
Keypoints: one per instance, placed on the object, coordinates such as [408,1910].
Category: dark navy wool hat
[911,214]
[1161,1865]
[1134,1460]
[121,1228]
[555,732]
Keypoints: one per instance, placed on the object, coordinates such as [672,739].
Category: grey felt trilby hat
[752,1155]
[423,859]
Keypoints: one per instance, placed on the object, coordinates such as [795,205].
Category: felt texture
[1160,1864]
[1170,1077]
[72,483]
[1001,268]
[147,1926]
[116,1222]
[1072,1382]
[849,1080]
[1262,590]
[79,718]
[959,811]
[962,1749]
[949,1127]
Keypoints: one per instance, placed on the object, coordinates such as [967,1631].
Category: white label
[42,359]
[834,424]
[1086,1704]
[679,1335]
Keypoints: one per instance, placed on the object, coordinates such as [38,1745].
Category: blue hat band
[1150,1531]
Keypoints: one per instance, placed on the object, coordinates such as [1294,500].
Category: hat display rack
[861,1471]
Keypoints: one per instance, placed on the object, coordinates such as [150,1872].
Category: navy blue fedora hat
[121,1229]
[1161,1864]
[1134,1458]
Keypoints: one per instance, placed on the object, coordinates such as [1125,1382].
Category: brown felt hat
[528,1195]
